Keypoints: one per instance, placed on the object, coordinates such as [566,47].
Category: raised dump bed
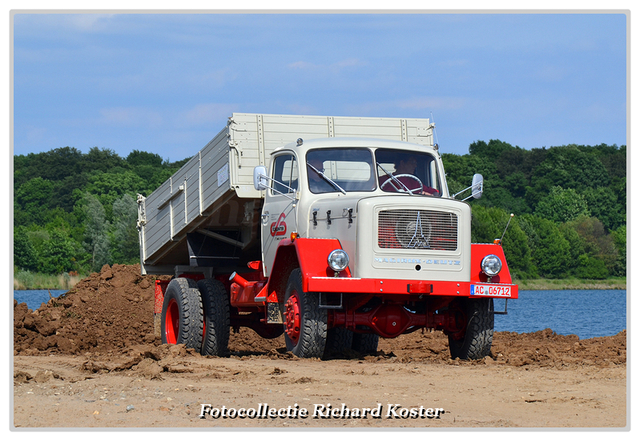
[212,196]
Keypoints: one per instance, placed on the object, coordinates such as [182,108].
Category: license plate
[491,290]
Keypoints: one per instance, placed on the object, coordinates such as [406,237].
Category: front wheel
[305,324]
[478,336]
[182,314]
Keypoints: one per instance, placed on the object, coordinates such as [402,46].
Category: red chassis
[387,307]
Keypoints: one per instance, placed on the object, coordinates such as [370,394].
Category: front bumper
[409,287]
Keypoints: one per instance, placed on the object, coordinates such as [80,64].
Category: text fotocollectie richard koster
[320,411]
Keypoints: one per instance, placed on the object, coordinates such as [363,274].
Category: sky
[166,83]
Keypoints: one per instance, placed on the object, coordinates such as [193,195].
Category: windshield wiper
[396,180]
[326,178]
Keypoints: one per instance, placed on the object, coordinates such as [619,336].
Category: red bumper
[399,287]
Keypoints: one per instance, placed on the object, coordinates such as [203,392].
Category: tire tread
[215,302]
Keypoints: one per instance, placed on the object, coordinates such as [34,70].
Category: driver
[407,166]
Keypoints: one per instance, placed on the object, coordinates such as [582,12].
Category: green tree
[58,254]
[570,167]
[109,186]
[598,243]
[489,223]
[103,160]
[550,251]
[54,165]
[32,198]
[125,234]
[96,229]
[137,158]
[603,204]
[562,205]
[591,268]
[619,237]
[576,244]
[24,254]
[494,149]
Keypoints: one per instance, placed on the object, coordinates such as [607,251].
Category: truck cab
[371,222]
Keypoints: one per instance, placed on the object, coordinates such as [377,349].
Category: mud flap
[274,314]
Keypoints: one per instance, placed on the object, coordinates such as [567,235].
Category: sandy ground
[62,393]
[90,360]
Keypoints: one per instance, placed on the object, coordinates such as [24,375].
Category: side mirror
[476,186]
[260,180]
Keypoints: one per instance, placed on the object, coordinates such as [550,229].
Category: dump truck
[334,231]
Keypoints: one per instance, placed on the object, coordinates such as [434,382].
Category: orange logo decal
[279,228]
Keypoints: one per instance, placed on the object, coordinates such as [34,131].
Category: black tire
[478,337]
[182,314]
[215,305]
[365,343]
[308,338]
[339,341]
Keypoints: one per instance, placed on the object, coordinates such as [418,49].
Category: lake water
[35,297]
[586,313]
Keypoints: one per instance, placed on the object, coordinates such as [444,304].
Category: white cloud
[205,114]
[40,23]
[333,67]
[214,79]
[550,73]
[130,116]
[34,135]
[431,103]
[89,22]
[302,65]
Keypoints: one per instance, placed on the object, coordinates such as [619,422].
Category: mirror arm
[462,191]
[293,190]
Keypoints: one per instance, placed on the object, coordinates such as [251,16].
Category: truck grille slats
[418,229]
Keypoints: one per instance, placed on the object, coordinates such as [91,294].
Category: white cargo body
[214,194]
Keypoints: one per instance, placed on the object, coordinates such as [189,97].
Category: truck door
[279,213]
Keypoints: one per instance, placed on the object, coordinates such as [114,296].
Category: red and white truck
[332,230]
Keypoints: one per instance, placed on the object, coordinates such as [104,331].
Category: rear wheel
[365,343]
[478,336]
[215,305]
[182,314]
[305,324]
[339,341]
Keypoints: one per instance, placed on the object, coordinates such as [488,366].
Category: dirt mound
[541,348]
[111,312]
[107,311]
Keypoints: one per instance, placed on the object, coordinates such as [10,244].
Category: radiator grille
[418,229]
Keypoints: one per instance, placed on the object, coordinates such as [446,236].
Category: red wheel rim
[171,323]
[292,317]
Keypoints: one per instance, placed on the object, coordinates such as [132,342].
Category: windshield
[340,169]
[407,171]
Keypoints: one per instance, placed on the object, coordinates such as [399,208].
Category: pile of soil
[112,311]
[107,311]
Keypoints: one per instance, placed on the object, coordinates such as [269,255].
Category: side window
[285,174]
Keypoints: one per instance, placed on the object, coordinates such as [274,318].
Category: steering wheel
[401,189]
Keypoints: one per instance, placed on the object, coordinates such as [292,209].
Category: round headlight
[491,265]
[338,260]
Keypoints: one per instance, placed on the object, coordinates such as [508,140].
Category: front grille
[418,229]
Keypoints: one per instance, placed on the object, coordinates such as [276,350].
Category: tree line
[569,203]
[75,212]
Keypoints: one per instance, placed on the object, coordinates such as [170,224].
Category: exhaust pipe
[235,278]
